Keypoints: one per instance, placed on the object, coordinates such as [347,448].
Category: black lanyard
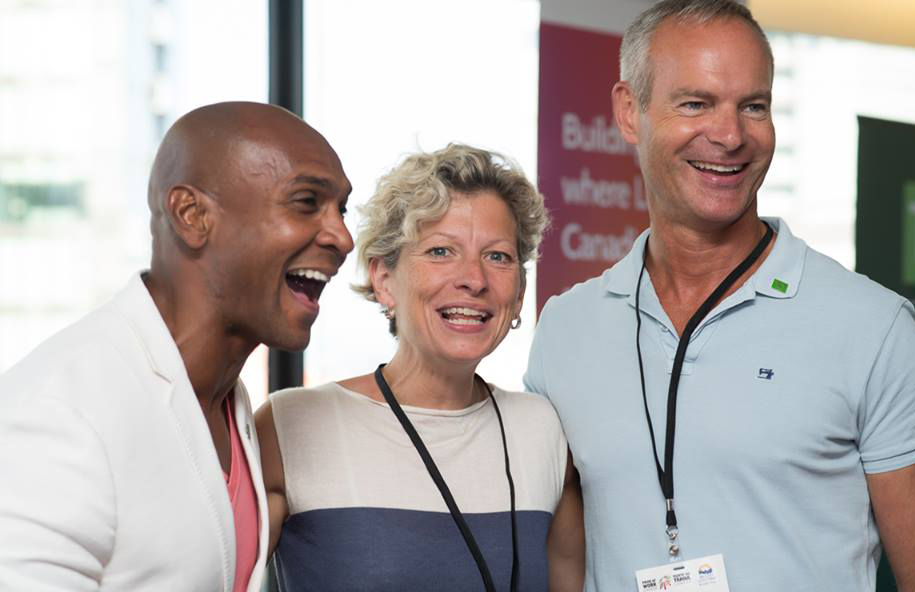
[666,475]
[443,487]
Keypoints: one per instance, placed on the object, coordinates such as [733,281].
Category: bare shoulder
[263,420]
[271,457]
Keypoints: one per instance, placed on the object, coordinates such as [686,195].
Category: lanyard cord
[443,487]
[666,474]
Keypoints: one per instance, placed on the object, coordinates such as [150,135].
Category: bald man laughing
[128,458]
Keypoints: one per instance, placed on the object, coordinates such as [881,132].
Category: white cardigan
[109,480]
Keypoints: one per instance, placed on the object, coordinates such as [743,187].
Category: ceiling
[879,21]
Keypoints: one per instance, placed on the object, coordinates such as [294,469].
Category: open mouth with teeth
[461,315]
[308,283]
[725,170]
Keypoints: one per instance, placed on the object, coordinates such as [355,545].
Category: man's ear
[626,111]
[380,275]
[189,213]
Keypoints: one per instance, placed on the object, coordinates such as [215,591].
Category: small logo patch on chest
[766,373]
[779,285]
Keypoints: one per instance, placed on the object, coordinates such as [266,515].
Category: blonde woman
[421,475]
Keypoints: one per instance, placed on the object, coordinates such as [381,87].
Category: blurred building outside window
[821,85]
[88,88]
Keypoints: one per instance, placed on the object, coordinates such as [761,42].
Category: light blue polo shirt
[794,388]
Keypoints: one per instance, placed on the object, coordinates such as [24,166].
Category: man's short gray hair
[635,65]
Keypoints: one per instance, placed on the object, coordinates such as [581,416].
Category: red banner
[587,172]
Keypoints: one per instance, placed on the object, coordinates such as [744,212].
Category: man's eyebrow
[691,92]
[765,95]
[679,93]
[310,180]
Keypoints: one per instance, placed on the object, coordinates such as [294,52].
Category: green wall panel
[885,227]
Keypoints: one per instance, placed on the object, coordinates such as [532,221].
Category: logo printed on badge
[666,583]
[766,373]
[706,575]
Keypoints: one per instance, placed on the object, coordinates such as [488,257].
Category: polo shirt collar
[621,278]
[779,275]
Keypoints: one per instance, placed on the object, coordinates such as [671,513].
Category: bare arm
[566,540]
[893,499]
[274,478]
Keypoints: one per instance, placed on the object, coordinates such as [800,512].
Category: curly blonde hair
[420,190]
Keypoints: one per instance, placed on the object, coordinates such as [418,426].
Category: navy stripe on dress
[383,549]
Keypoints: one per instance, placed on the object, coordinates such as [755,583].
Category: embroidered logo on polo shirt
[779,285]
[766,373]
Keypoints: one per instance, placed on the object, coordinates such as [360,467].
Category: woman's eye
[692,105]
[499,257]
[438,251]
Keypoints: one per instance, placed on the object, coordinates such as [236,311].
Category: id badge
[705,574]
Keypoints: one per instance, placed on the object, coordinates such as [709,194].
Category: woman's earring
[388,313]
[516,322]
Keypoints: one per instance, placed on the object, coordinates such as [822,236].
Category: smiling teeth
[718,168]
[454,315]
[461,310]
[466,321]
[310,274]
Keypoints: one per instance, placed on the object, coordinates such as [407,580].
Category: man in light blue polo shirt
[732,398]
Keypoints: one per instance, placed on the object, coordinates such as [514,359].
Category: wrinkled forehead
[478,210]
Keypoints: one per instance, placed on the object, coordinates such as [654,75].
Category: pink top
[244,506]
